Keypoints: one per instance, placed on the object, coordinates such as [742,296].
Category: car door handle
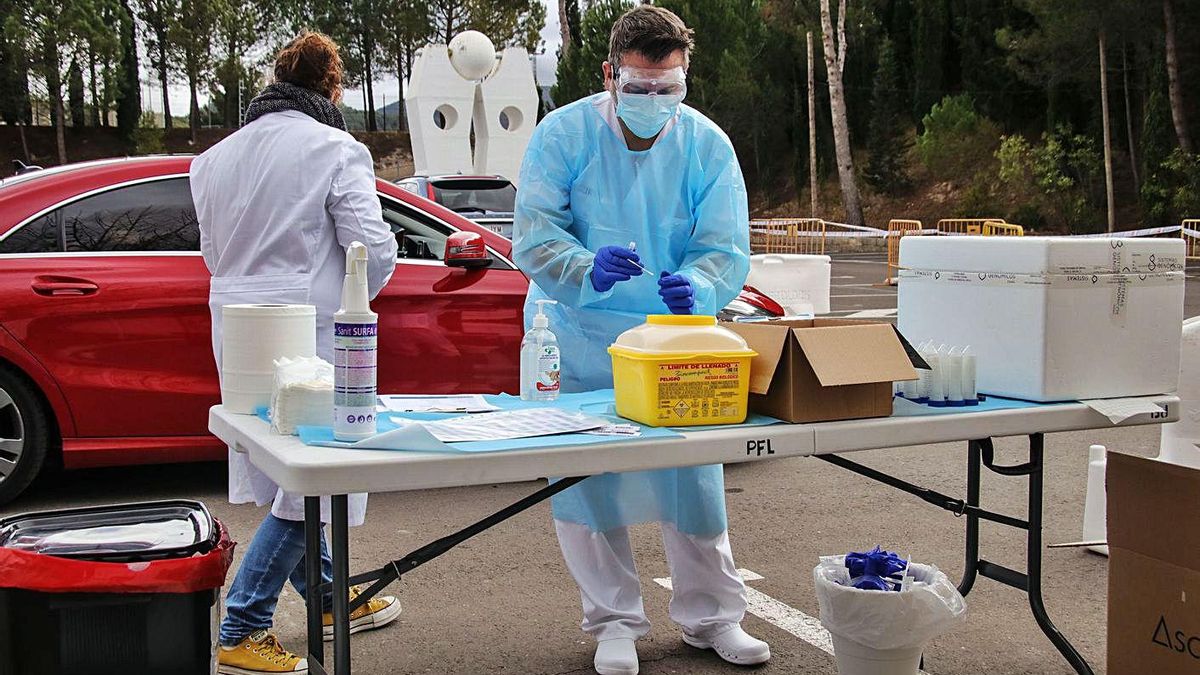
[52,286]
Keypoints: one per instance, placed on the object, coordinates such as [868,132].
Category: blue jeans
[275,555]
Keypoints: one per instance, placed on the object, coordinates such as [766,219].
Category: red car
[105,347]
[105,342]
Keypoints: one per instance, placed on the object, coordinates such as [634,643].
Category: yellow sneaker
[376,613]
[260,652]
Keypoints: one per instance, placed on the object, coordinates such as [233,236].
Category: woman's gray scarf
[286,96]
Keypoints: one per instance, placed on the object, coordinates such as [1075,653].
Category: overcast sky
[384,88]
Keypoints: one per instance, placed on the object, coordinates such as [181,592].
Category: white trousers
[708,599]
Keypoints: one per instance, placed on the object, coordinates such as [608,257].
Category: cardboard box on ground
[1154,567]
[820,370]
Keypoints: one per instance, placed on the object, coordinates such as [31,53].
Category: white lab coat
[278,202]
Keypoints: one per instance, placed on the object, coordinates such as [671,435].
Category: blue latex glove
[677,293]
[613,264]
[870,571]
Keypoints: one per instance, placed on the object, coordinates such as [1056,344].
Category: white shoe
[735,646]
[616,657]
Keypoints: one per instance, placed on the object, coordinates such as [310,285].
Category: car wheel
[24,435]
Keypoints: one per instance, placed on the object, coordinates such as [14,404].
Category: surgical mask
[647,99]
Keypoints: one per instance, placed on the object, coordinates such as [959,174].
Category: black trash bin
[112,590]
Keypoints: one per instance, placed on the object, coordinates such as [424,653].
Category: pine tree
[129,88]
[75,93]
[1158,140]
[579,72]
[887,140]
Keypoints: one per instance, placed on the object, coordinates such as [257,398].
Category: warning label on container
[698,390]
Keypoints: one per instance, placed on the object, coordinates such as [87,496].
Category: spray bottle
[355,349]
[540,365]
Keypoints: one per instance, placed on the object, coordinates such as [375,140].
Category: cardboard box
[824,369]
[1153,568]
[1050,318]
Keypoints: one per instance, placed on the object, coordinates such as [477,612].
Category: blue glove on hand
[613,264]
[677,293]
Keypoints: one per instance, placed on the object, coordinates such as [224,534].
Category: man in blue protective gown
[629,204]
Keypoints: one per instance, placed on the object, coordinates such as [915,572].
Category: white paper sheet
[1118,410]
[497,426]
[463,403]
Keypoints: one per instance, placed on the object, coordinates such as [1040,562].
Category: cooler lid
[126,532]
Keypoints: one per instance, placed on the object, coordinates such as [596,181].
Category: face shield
[647,98]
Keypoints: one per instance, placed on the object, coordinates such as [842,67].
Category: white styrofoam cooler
[1050,318]
[799,283]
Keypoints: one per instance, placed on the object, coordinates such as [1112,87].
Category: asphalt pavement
[504,603]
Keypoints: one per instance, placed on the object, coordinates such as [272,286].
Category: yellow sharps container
[675,371]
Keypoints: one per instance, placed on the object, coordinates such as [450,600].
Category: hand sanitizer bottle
[355,350]
[540,363]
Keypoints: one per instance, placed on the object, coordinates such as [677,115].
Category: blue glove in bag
[875,570]
[613,264]
[677,293]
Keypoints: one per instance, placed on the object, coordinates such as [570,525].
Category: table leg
[980,453]
[971,567]
[1034,563]
[341,584]
[313,580]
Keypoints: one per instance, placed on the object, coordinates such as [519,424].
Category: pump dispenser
[540,362]
[355,349]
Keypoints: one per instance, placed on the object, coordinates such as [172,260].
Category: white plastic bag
[302,394]
[888,620]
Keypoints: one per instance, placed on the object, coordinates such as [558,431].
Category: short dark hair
[651,31]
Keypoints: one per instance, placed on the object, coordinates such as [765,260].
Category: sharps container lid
[118,533]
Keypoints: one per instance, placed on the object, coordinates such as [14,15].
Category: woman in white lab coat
[278,202]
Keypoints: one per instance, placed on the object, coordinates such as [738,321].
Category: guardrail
[788,235]
[897,229]
[1189,229]
[966,226]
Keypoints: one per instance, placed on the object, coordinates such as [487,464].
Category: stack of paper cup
[252,337]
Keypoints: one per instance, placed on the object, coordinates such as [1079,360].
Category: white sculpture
[472,55]
[459,88]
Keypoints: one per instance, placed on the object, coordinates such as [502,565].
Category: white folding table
[319,471]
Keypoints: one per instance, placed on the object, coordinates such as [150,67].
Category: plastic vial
[954,390]
[937,379]
[970,390]
[923,375]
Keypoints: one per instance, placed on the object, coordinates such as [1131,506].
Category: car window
[479,196]
[417,237]
[154,216]
[37,236]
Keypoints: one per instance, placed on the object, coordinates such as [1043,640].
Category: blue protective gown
[683,202]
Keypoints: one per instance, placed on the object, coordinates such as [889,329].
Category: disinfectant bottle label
[548,369]
[355,346]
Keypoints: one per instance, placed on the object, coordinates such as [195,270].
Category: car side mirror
[467,250]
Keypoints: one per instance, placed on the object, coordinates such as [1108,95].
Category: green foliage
[887,143]
[75,93]
[579,72]
[1172,192]
[506,22]
[956,139]
[1058,177]
[129,88]
[148,138]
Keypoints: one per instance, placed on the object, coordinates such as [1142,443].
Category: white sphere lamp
[472,54]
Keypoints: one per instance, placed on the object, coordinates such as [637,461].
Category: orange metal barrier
[1190,231]
[896,229]
[975,226]
[995,228]
[788,235]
